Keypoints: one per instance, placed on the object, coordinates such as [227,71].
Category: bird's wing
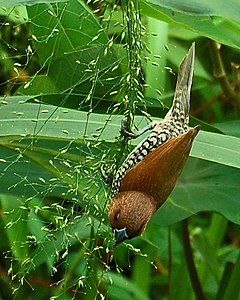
[157,173]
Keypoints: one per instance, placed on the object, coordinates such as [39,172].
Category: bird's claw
[133,135]
[124,132]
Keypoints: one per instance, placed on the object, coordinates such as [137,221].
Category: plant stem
[190,262]
[232,290]
[133,31]
[220,73]
[217,230]
[132,80]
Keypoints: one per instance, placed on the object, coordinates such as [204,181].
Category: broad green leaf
[17,14]
[21,177]
[115,284]
[203,186]
[219,148]
[230,127]
[61,28]
[209,20]
[8,3]
[14,217]
[79,75]
[88,65]
[46,120]
[61,241]
[228,10]
[50,121]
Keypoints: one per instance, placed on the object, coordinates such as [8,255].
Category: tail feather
[181,101]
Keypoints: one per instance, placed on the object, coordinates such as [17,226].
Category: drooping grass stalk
[133,43]
[131,82]
[91,289]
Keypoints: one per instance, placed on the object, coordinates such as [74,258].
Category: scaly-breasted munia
[149,173]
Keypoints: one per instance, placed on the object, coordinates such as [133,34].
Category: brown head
[129,213]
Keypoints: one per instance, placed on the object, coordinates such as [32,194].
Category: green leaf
[14,218]
[217,148]
[8,3]
[230,127]
[203,186]
[61,28]
[116,282]
[75,59]
[228,10]
[233,289]
[21,177]
[75,75]
[17,15]
[22,118]
[61,241]
[45,120]
[216,21]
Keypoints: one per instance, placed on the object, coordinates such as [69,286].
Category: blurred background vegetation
[70,72]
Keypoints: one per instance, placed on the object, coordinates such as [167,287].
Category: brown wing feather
[157,173]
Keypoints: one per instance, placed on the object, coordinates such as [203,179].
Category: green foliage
[71,71]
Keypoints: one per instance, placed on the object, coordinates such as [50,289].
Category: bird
[149,173]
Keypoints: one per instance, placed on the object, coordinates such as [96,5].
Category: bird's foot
[133,135]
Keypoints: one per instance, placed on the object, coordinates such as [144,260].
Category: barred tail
[181,101]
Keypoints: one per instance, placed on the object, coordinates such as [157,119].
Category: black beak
[120,235]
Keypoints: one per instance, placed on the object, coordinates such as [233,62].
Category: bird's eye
[117,216]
